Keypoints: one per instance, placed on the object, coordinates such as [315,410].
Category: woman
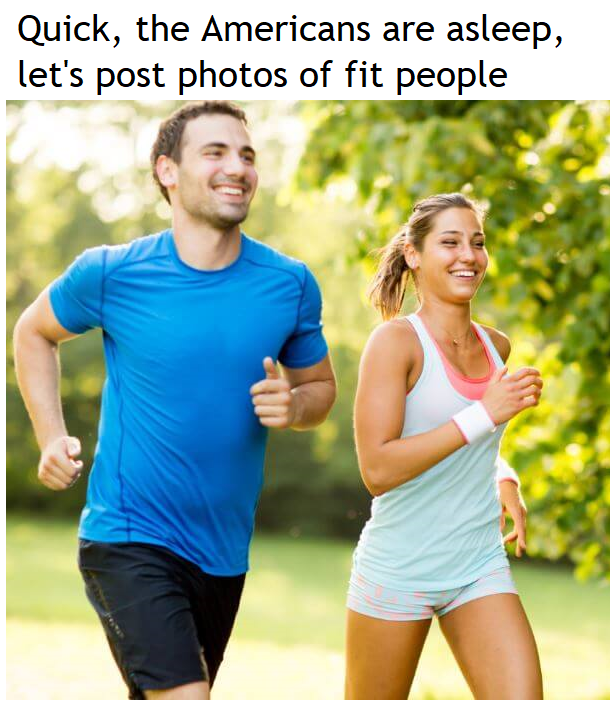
[432,403]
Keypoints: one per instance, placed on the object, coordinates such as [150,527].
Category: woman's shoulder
[394,338]
[500,340]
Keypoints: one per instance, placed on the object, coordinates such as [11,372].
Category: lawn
[288,640]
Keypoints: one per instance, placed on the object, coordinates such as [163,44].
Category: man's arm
[299,398]
[36,338]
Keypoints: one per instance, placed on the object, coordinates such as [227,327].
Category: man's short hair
[168,141]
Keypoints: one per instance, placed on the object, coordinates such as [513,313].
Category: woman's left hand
[513,504]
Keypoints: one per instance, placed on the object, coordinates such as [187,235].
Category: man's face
[216,177]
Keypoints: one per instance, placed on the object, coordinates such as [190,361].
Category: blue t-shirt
[179,460]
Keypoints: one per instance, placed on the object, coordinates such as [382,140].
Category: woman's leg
[381,656]
[494,646]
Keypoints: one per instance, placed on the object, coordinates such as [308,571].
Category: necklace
[455,340]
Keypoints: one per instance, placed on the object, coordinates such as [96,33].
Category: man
[193,320]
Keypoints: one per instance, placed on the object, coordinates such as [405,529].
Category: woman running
[432,403]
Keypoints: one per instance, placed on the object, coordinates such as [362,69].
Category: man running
[194,319]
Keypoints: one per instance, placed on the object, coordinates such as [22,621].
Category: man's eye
[248,158]
[213,152]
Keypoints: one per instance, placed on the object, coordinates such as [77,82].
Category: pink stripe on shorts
[387,604]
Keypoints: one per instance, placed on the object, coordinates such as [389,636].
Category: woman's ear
[411,256]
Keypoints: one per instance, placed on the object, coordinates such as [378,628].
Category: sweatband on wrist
[505,472]
[474,422]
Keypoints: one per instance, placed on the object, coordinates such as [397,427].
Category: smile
[229,190]
[464,273]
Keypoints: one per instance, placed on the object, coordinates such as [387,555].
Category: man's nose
[234,165]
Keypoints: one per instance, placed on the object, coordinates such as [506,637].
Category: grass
[288,639]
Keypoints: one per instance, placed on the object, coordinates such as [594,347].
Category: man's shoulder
[135,251]
[265,256]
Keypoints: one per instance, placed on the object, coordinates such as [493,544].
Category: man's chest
[212,324]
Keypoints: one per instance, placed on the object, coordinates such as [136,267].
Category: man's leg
[214,601]
[198,691]
[137,592]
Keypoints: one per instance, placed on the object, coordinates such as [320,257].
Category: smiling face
[453,259]
[216,178]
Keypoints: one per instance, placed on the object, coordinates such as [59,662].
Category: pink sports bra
[471,388]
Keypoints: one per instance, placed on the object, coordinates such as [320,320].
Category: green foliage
[540,167]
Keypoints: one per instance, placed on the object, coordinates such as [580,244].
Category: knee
[197,691]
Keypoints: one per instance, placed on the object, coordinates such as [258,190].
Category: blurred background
[337,179]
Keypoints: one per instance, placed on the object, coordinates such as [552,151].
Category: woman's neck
[452,319]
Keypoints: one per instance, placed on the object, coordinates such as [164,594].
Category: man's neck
[204,247]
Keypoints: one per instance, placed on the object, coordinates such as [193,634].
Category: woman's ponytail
[387,289]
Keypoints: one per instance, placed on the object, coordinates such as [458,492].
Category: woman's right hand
[506,396]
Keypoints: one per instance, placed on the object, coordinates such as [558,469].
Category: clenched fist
[506,396]
[273,400]
[58,469]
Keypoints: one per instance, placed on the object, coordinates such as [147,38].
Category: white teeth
[229,191]
[463,274]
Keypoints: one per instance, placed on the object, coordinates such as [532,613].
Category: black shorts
[167,622]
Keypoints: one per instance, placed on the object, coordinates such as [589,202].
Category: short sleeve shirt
[180,453]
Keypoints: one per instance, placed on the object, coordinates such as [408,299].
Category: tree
[540,167]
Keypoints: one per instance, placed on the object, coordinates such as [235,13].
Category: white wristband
[505,472]
[474,422]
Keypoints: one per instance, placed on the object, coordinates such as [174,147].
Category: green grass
[288,640]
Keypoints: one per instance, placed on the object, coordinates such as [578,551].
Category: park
[338,179]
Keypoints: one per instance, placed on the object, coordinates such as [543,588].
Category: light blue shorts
[387,604]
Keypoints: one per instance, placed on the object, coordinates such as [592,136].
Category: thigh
[382,656]
[214,601]
[145,613]
[494,646]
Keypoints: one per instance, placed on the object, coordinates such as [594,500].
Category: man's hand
[273,400]
[513,504]
[58,469]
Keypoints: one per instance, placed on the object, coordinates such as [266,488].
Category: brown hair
[387,288]
[168,141]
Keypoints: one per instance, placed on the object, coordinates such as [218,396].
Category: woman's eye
[449,242]
[480,245]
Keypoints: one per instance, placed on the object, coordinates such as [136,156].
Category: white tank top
[439,530]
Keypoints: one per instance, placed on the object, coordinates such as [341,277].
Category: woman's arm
[512,502]
[502,344]
[386,460]
[505,472]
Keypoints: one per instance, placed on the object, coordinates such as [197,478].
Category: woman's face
[453,260]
